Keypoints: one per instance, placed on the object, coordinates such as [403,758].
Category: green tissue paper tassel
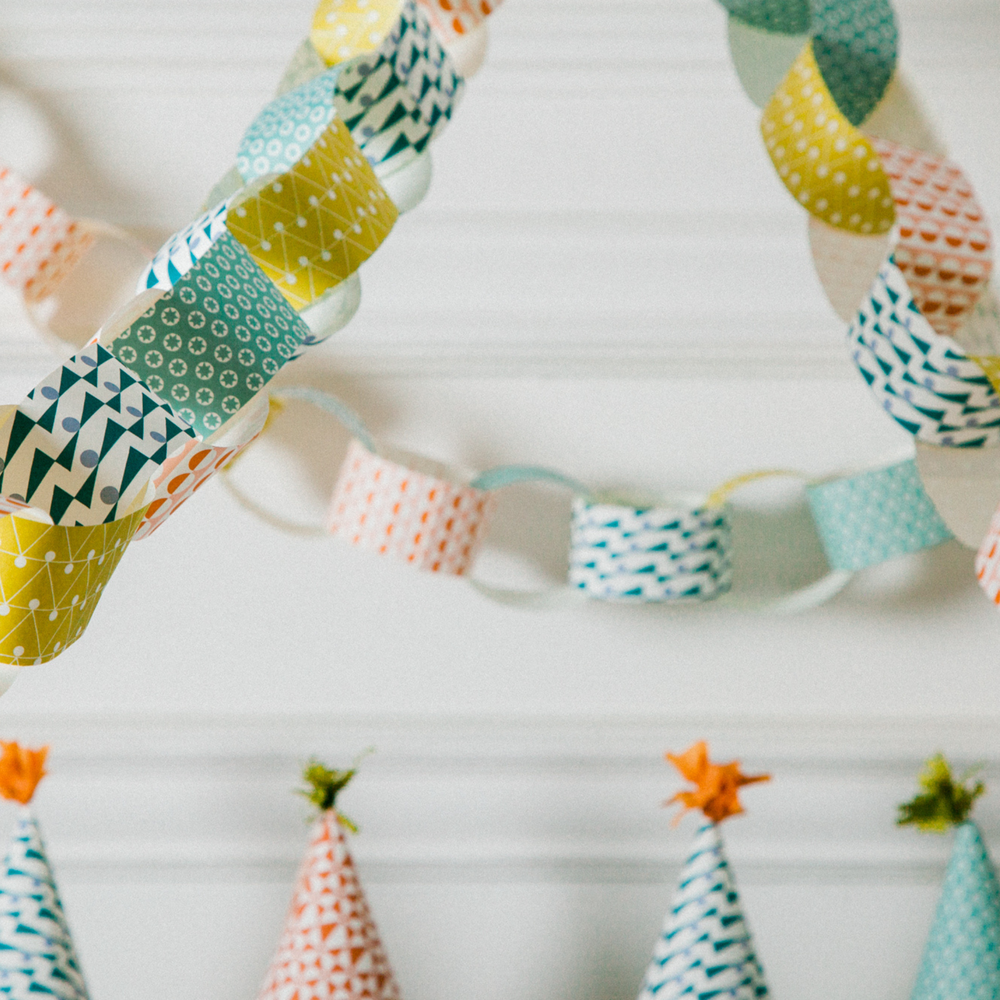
[962,957]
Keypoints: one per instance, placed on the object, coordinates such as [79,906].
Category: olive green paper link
[945,801]
[212,342]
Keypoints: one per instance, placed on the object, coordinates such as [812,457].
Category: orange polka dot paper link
[944,249]
[452,19]
[415,515]
[343,29]
[988,560]
[830,168]
[51,578]
[39,243]
[310,228]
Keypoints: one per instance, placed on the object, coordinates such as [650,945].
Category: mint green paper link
[510,475]
[328,402]
[877,515]
[215,339]
[783,17]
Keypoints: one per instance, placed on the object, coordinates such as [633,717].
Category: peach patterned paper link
[432,523]
[944,248]
[988,560]
[39,243]
[452,19]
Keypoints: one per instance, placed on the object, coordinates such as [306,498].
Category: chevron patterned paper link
[84,442]
[215,339]
[921,379]
[619,552]
[343,29]
[312,227]
[51,578]
[828,166]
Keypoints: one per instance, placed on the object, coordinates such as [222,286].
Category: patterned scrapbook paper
[944,249]
[84,442]
[705,951]
[962,957]
[761,58]
[330,947]
[39,243]
[215,339]
[921,379]
[312,227]
[389,508]
[287,127]
[51,579]
[185,248]
[988,560]
[343,29]
[648,554]
[783,17]
[855,49]
[37,957]
[451,19]
[824,161]
[877,515]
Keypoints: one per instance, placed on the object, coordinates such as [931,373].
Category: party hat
[962,957]
[37,956]
[705,948]
[330,946]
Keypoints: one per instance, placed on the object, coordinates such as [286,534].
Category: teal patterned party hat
[37,957]
[962,957]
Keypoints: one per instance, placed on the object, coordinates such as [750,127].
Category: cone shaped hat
[37,957]
[962,957]
[705,950]
[330,948]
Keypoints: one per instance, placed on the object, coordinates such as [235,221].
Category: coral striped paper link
[454,19]
[988,560]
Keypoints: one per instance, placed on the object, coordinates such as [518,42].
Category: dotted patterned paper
[452,19]
[343,29]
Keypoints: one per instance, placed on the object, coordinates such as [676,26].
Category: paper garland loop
[185,248]
[922,380]
[784,17]
[39,243]
[310,228]
[877,515]
[830,168]
[51,578]
[988,560]
[343,29]
[452,19]
[418,516]
[213,342]
[668,553]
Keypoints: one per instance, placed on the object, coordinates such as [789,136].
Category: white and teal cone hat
[37,957]
[705,951]
[962,957]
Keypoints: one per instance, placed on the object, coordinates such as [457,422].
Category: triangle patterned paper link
[215,339]
[86,440]
[51,579]
[343,29]
[312,227]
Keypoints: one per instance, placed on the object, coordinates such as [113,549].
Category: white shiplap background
[606,278]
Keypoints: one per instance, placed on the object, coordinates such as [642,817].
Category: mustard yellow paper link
[827,165]
[990,364]
[719,496]
[343,29]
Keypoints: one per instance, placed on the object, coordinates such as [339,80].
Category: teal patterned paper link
[866,519]
[783,17]
[215,339]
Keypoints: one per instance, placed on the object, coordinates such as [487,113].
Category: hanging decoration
[37,957]
[172,386]
[705,948]
[962,957]
[330,947]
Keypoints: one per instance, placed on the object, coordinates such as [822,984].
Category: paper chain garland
[173,386]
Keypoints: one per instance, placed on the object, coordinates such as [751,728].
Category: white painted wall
[606,278]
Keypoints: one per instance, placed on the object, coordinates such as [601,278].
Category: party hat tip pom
[325,784]
[718,785]
[20,771]
[945,801]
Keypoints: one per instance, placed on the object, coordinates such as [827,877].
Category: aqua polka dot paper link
[784,17]
[37,956]
[920,378]
[855,48]
[84,442]
[866,519]
[962,957]
[185,248]
[705,951]
[215,339]
[287,128]
[619,552]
